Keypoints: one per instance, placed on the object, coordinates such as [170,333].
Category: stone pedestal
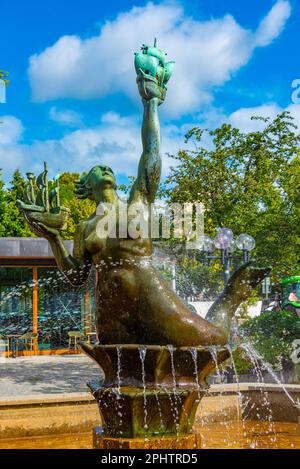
[150,394]
[136,413]
[189,441]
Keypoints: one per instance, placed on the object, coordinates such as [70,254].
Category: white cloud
[65,116]
[207,53]
[11,130]
[115,141]
[242,117]
[272,25]
[11,148]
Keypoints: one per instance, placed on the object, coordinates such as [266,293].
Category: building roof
[33,249]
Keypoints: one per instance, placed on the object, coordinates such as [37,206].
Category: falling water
[176,413]
[194,353]
[214,354]
[213,351]
[171,351]
[250,350]
[119,391]
[239,400]
[172,403]
[119,369]
[159,410]
[142,352]
[53,280]
[252,354]
[204,421]
[239,395]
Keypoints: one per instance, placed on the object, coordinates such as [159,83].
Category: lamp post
[226,244]
[246,244]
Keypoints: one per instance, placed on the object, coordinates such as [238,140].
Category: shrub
[272,335]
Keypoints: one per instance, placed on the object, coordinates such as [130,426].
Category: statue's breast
[94,244]
[95,236]
[106,236]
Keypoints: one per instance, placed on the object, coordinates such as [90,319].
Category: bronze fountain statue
[155,352]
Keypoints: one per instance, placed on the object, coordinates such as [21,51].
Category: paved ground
[25,376]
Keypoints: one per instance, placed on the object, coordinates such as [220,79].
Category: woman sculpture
[134,304]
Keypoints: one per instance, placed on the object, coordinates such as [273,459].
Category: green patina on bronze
[134,304]
[41,205]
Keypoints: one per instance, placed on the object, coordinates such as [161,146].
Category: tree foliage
[249,182]
[272,334]
[79,210]
[12,222]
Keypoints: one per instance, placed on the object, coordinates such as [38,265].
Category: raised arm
[153,73]
[146,184]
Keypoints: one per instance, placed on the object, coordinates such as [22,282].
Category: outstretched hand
[43,224]
[40,229]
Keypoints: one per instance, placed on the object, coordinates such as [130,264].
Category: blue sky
[73,101]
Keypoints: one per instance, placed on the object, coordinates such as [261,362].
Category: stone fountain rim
[158,348]
[96,387]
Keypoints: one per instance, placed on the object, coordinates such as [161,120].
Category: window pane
[15,300]
[60,309]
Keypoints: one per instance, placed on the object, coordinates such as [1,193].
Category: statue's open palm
[44,224]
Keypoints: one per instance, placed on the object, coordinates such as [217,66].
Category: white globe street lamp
[225,242]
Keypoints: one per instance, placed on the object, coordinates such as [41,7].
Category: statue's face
[102,177]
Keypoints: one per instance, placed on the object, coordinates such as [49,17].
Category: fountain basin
[163,365]
[151,390]
[138,413]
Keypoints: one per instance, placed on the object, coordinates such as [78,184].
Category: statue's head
[92,184]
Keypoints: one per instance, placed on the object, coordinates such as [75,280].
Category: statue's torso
[122,264]
[118,242]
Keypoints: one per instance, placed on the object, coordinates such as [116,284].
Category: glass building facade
[35,297]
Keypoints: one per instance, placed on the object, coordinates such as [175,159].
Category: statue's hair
[83,189]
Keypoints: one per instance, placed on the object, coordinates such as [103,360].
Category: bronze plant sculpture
[150,343]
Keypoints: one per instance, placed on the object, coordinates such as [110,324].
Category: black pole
[245,255]
[226,265]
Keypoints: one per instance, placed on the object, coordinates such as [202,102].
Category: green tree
[12,221]
[272,335]
[79,210]
[2,205]
[192,276]
[249,182]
